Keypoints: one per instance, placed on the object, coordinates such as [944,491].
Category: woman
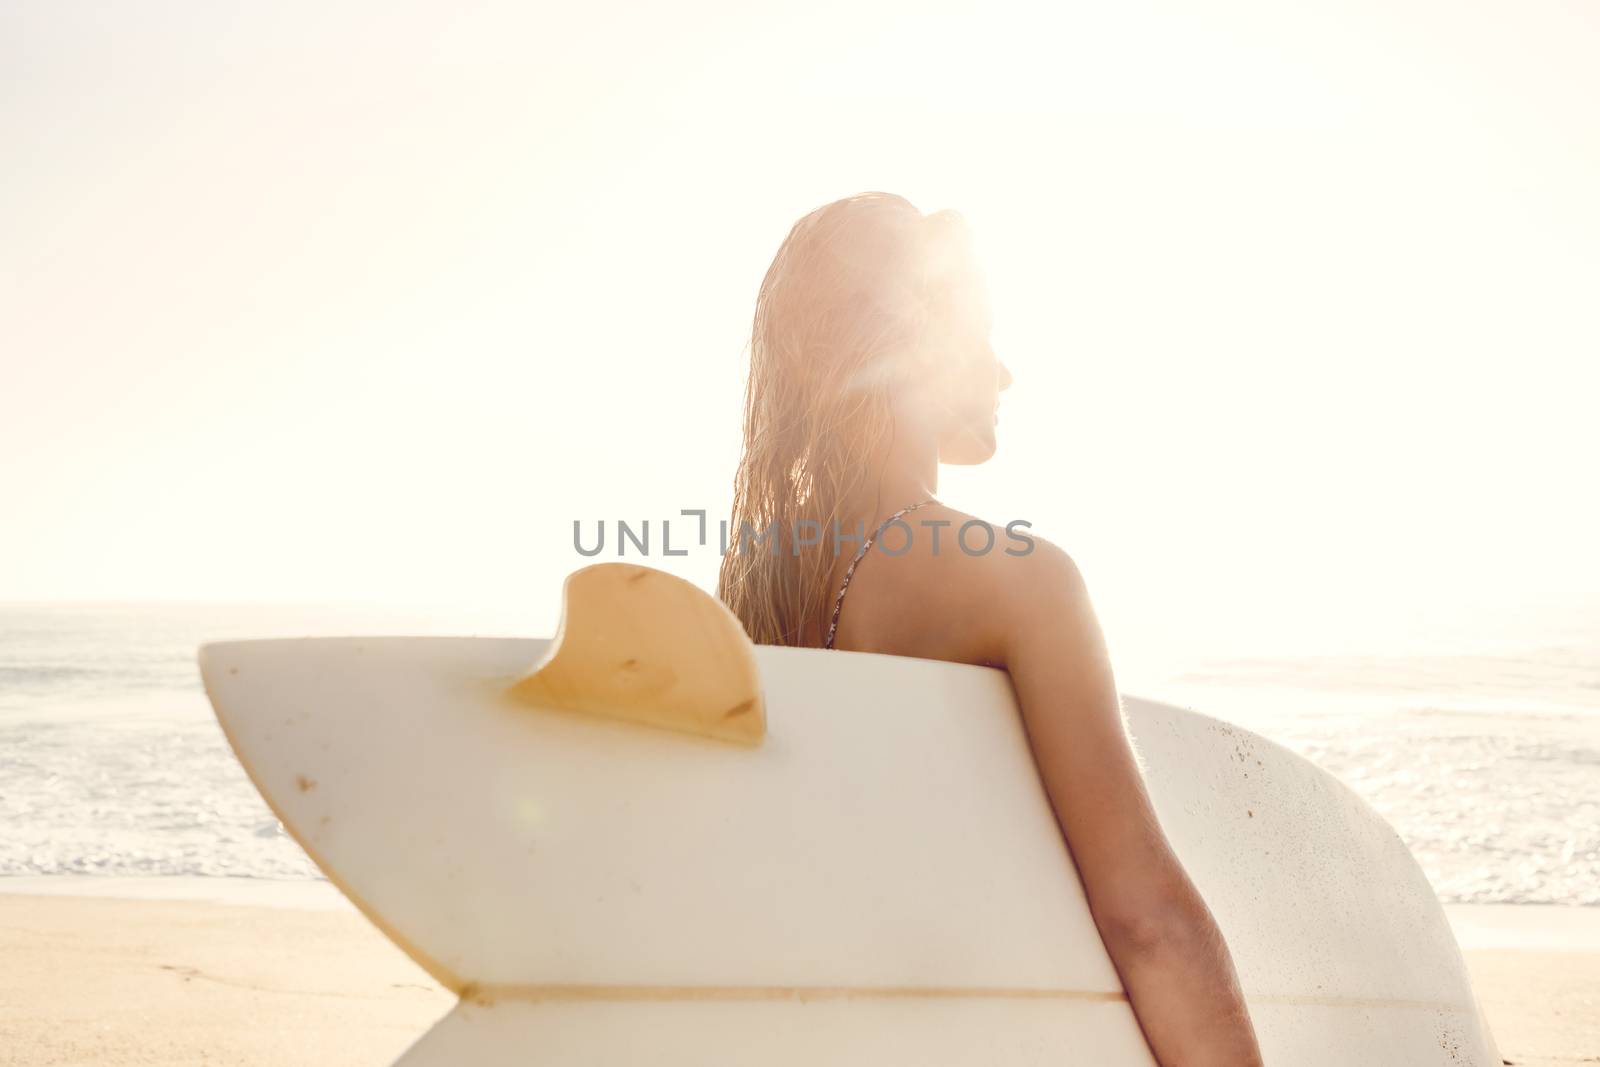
[870,365]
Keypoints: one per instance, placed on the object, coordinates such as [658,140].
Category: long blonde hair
[840,322]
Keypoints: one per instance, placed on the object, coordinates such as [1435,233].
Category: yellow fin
[640,644]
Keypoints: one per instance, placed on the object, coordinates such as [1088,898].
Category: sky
[371,302]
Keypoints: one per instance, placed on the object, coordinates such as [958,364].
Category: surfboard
[649,841]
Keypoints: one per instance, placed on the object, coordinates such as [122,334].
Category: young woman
[870,364]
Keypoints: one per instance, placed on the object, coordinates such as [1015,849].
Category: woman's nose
[1005,377]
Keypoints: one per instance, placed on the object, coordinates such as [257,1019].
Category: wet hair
[841,321]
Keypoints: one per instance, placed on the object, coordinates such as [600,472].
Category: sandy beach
[100,971]
[107,980]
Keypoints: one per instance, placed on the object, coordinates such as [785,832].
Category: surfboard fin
[643,645]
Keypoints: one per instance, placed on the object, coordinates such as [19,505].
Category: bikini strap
[838,602]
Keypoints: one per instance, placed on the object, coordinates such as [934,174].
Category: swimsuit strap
[838,602]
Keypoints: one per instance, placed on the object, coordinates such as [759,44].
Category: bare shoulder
[945,584]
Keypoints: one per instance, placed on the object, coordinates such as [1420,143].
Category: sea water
[1486,760]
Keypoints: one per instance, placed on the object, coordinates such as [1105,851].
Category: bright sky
[371,304]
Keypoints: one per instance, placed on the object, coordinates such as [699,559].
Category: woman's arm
[1159,933]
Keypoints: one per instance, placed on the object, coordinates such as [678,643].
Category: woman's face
[966,394]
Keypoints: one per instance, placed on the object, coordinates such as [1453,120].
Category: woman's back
[916,592]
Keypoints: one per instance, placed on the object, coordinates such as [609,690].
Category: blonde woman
[870,365]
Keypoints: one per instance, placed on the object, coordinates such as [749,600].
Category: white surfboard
[859,867]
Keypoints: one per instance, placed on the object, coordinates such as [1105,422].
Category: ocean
[1486,760]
